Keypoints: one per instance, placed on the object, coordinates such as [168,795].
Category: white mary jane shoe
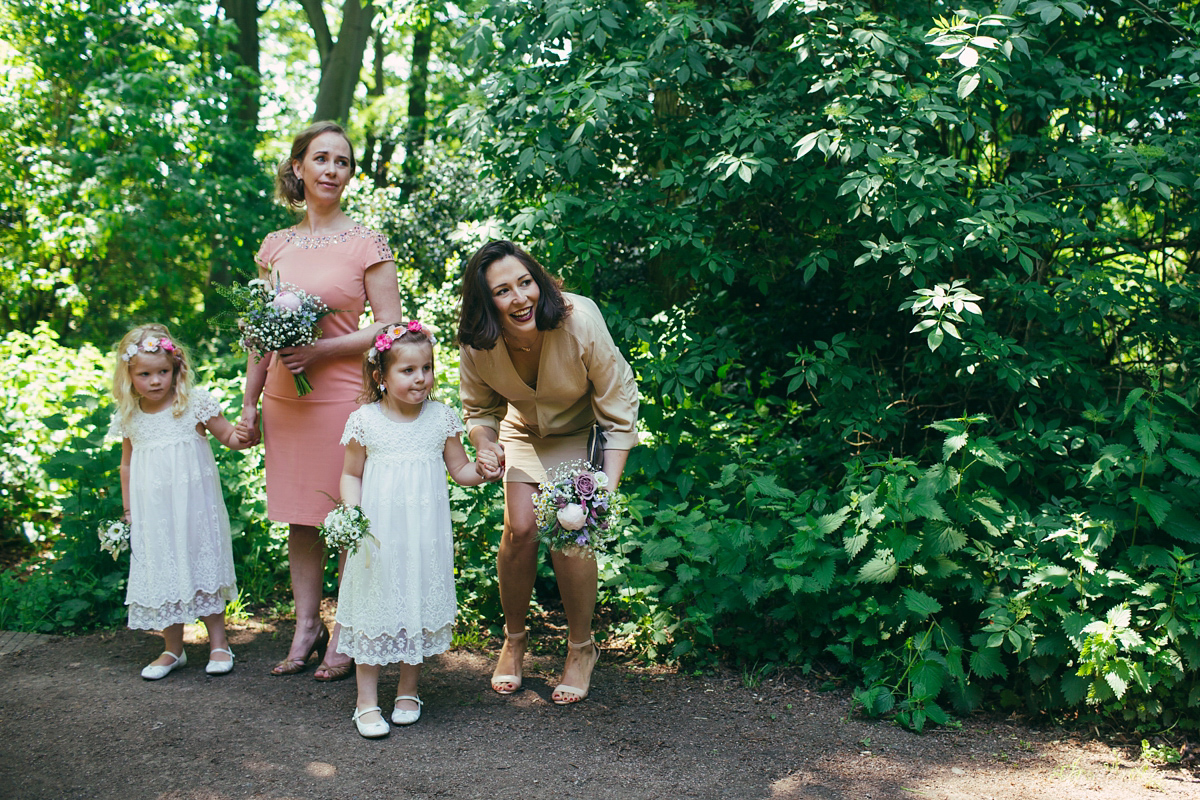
[153,672]
[402,716]
[219,667]
[370,730]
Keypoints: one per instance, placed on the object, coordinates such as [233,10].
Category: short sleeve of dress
[116,431]
[203,405]
[453,424]
[378,249]
[355,429]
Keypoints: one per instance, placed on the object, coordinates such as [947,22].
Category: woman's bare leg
[516,570]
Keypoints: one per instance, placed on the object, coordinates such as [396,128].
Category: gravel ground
[77,721]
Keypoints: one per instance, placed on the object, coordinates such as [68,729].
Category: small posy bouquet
[347,528]
[274,315]
[114,537]
[576,511]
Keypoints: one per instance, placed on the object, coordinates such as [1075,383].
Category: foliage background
[910,290]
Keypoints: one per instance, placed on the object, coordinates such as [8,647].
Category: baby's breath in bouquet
[347,528]
[114,537]
[272,315]
[576,511]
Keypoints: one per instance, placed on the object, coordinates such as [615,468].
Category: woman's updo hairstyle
[290,189]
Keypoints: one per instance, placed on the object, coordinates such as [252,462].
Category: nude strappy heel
[566,695]
[513,681]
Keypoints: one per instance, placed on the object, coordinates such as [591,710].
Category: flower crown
[393,332]
[151,344]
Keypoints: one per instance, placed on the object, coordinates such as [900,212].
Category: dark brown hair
[288,187]
[478,320]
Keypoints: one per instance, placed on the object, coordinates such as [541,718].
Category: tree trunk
[385,142]
[418,89]
[245,98]
[341,67]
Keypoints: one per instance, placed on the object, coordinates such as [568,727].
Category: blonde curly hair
[123,361]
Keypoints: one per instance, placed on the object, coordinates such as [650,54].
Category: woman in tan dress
[539,369]
[347,265]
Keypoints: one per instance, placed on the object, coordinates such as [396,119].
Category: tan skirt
[527,456]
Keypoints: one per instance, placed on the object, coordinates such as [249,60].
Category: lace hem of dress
[390,649]
[203,604]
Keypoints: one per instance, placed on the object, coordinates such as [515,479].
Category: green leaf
[920,603]
[924,506]
[1146,435]
[988,663]
[1157,505]
[1184,462]
[1189,440]
[829,523]
[882,568]
[966,85]
[942,539]
[953,444]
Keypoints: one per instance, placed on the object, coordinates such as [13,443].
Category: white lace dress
[401,608]
[181,559]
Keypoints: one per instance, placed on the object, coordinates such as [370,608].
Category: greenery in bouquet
[274,314]
[114,537]
[576,510]
[347,528]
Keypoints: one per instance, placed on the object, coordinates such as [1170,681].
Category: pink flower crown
[151,344]
[390,334]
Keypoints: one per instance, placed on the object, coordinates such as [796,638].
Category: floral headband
[390,334]
[151,344]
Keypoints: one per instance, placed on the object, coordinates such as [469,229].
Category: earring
[382,388]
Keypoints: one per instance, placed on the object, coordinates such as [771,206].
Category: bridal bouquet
[276,315]
[347,528]
[576,510]
[114,537]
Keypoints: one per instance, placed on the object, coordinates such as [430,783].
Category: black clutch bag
[595,448]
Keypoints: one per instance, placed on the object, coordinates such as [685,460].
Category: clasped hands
[489,461]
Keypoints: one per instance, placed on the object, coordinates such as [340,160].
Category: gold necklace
[512,346]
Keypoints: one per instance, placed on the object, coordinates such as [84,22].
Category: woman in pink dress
[347,265]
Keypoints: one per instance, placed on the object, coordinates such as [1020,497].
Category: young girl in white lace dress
[397,603]
[181,560]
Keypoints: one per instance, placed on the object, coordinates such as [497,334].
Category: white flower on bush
[571,517]
[601,480]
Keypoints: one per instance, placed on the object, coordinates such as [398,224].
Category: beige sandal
[566,695]
[513,681]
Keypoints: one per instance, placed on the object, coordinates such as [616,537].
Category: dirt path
[77,721]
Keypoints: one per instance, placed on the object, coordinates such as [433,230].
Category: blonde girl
[181,561]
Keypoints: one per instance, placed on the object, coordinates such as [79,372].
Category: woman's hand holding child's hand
[490,461]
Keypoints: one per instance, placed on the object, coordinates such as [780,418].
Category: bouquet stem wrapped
[576,511]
